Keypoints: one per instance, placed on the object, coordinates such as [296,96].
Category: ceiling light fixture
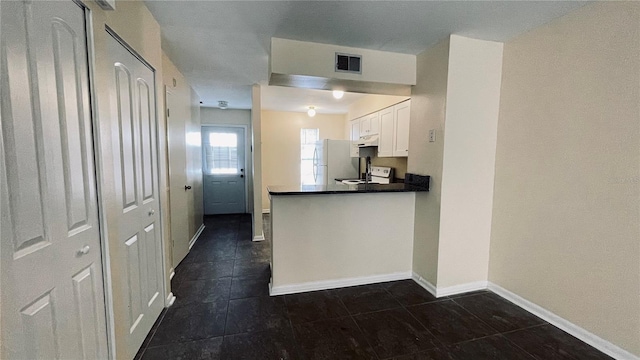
[222,104]
[338,94]
[312,111]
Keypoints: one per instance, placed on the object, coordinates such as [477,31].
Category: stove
[379,175]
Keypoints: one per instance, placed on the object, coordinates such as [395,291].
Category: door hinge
[167,112]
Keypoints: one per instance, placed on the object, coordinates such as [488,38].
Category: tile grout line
[293,330]
[419,322]
[351,316]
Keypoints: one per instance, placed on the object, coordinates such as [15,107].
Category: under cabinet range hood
[368,141]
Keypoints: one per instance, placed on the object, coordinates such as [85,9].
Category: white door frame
[97,153]
[247,155]
[100,173]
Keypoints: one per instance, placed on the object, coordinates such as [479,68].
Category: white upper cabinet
[401,119]
[370,124]
[394,131]
[386,143]
[392,125]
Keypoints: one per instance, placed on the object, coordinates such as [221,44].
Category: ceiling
[223,47]
[281,98]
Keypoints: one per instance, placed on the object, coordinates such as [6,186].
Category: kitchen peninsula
[330,236]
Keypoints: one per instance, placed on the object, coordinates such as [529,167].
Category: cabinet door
[401,123]
[355,135]
[355,129]
[386,144]
[374,124]
[365,126]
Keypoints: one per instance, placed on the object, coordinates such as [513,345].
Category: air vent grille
[349,63]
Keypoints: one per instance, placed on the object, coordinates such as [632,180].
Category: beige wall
[134,23]
[281,144]
[471,120]
[428,100]
[566,223]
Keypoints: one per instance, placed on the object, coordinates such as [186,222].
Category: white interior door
[223,170]
[53,303]
[139,254]
[177,181]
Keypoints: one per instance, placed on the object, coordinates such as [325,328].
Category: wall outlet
[432,135]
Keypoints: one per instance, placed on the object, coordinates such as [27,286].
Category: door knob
[151,212]
[241,176]
[187,187]
[241,170]
[85,250]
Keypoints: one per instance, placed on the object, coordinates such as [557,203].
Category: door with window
[223,151]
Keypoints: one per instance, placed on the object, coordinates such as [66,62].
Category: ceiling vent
[349,63]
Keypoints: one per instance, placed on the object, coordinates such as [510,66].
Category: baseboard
[461,289]
[266,211]
[597,342]
[170,300]
[424,283]
[259,237]
[172,273]
[196,236]
[334,284]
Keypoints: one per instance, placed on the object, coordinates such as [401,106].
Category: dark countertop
[343,189]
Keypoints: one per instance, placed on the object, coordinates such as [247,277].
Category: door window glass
[308,139]
[222,154]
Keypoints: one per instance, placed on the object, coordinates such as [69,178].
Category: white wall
[293,57]
[566,215]
[355,245]
[471,120]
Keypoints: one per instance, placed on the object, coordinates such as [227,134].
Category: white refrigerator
[332,160]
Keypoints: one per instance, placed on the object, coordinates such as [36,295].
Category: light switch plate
[432,135]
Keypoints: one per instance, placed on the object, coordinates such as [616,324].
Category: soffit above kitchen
[223,47]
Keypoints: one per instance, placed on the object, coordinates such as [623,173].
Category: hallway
[223,311]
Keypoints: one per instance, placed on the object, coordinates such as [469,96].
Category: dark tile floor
[223,311]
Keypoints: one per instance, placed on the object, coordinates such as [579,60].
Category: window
[222,153]
[308,139]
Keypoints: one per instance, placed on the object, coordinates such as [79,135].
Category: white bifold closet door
[139,250]
[51,287]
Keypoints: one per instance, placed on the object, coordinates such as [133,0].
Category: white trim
[196,236]
[99,176]
[259,237]
[339,283]
[170,300]
[424,283]
[172,273]
[266,211]
[461,289]
[597,342]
